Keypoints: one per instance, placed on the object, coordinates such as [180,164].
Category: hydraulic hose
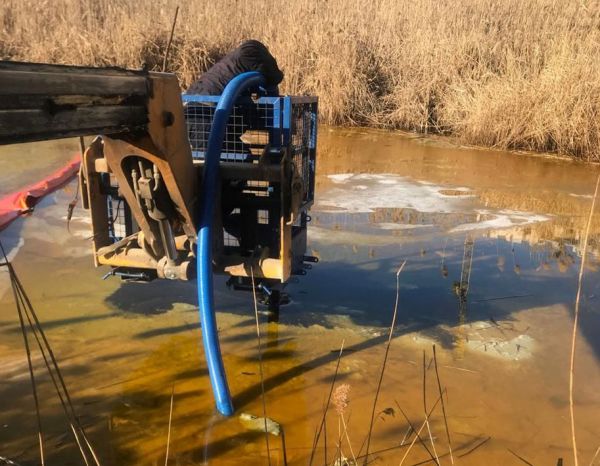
[210,188]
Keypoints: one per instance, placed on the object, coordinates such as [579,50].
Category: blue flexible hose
[210,187]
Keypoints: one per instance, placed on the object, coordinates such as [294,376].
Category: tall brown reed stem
[439,384]
[595,456]
[166,57]
[325,440]
[46,352]
[54,381]
[29,363]
[387,350]
[170,421]
[260,366]
[24,307]
[348,438]
[437,460]
[576,321]
[341,402]
[324,417]
[437,376]
[412,428]
[418,432]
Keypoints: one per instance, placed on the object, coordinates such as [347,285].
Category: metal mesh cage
[120,222]
[303,142]
[248,127]
[275,122]
[257,127]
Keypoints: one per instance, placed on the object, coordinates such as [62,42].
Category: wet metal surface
[502,331]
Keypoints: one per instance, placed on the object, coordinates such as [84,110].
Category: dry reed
[576,322]
[439,384]
[499,73]
[425,368]
[418,432]
[323,423]
[385,358]
[170,423]
[260,366]
[341,400]
[412,429]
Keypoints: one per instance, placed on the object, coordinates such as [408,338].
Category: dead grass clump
[501,73]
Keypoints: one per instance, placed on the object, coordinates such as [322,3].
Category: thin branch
[44,346]
[595,456]
[480,444]
[519,457]
[164,64]
[420,429]
[260,366]
[575,323]
[412,428]
[425,368]
[53,378]
[29,363]
[283,446]
[316,440]
[348,438]
[437,376]
[387,350]
[170,421]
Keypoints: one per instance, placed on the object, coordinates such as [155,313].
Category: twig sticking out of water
[439,384]
[387,350]
[7,461]
[283,447]
[55,383]
[260,366]
[170,421]
[325,441]
[73,203]
[412,428]
[22,300]
[576,321]
[595,456]
[341,401]
[519,457]
[323,419]
[437,460]
[480,444]
[29,363]
[418,432]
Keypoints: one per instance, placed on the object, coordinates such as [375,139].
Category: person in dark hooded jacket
[251,55]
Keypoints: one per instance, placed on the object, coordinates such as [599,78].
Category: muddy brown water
[383,198]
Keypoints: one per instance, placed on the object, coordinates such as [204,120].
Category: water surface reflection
[492,244]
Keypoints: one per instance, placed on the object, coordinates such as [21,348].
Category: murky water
[502,332]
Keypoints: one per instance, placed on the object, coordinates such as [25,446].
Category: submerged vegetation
[499,73]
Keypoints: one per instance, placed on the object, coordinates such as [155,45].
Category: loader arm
[143,156]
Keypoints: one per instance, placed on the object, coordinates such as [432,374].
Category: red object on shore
[21,202]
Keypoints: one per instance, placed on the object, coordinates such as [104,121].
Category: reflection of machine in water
[461,289]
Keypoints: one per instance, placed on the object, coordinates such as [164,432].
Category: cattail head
[341,398]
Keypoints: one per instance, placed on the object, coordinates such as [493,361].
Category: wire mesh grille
[117,227]
[247,129]
[268,127]
[303,138]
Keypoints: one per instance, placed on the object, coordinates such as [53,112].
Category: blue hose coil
[210,187]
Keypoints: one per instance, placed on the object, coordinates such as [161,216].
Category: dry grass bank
[501,73]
